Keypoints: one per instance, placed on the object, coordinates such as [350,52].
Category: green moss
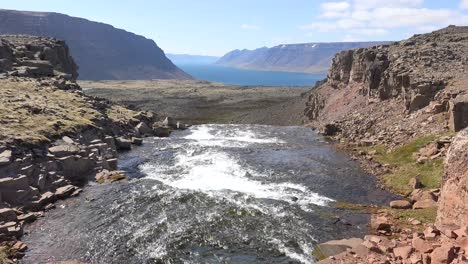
[404,166]
[425,216]
[5,252]
[356,207]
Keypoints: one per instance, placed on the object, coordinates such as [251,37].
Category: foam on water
[202,166]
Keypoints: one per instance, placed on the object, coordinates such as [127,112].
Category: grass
[425,216]
[404,166]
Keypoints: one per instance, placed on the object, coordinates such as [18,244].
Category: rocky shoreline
[401,111]
[54,138]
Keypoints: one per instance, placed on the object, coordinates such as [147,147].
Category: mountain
[181,59]
[101,51]
[309,57]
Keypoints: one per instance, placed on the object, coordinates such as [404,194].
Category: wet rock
[28,218]
[19,183]
[143,129]
[110,176]
[137,141]
[7,215]
[76,168]
[65,192]
[123,143]
[330,129]
[170,122]
[5,157]
[400,204]
[161,132]
[111,164]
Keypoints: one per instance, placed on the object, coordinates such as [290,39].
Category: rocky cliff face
[36,57]
[102,51]
[310,57]
[453,205]
[379,92]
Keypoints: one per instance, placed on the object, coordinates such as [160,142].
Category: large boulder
[453,203]
[459,113]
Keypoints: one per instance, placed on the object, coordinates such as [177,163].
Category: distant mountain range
[309,57]
[101,51]
[181,59]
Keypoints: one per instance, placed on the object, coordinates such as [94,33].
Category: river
[213,194]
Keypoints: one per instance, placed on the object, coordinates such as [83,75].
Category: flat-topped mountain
[309,57]
[101,51]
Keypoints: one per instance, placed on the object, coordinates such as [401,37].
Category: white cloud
[335,9]
[370,4]
[250,27]
[379,17]
[464,4]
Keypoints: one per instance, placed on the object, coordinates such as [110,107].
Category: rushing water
[212,194]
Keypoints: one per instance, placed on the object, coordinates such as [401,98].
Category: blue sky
[214,27]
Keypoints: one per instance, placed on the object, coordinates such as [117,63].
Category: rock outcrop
[453,205]
[309,57]
[102,51]
[391,91]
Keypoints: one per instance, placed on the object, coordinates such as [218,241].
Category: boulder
[458,109]
[137,141]
[27,218]
[161,132]
[170,122]
[403,252]
[421,245]
[111,164]
[379,223]
[424,204]
[106,176]
[76,168]
[453,202]
[19,183]
[65,192]
[7,215]
[123,143]
[5,158]
[400,204]
[443,255]
[64,150]
[419,101]
[143,129]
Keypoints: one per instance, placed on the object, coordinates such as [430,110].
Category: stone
[443,254]
[418,101]
[19,247]
[458,109]
[143,129]
[400,204]
[137,141]
[161,132]
[112,164]
[76,168]
[379,223]
[7,215]
[123,143]
[5,157]
[424,204]
[431,232]
[64,150]
[170,122]
[421,195]
[371,246]
[110,141]
[421,245]
[28,218]
[106,176]
[65,192]
[19,183]
[330,129]
[453,202]
[403,252]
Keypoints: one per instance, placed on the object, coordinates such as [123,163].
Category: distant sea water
[235,76]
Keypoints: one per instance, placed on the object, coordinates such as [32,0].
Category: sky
[215,27]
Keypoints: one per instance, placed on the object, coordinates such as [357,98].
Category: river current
[213,194]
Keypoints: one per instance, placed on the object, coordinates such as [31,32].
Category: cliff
[102,51]
[402,111]
[310,57]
